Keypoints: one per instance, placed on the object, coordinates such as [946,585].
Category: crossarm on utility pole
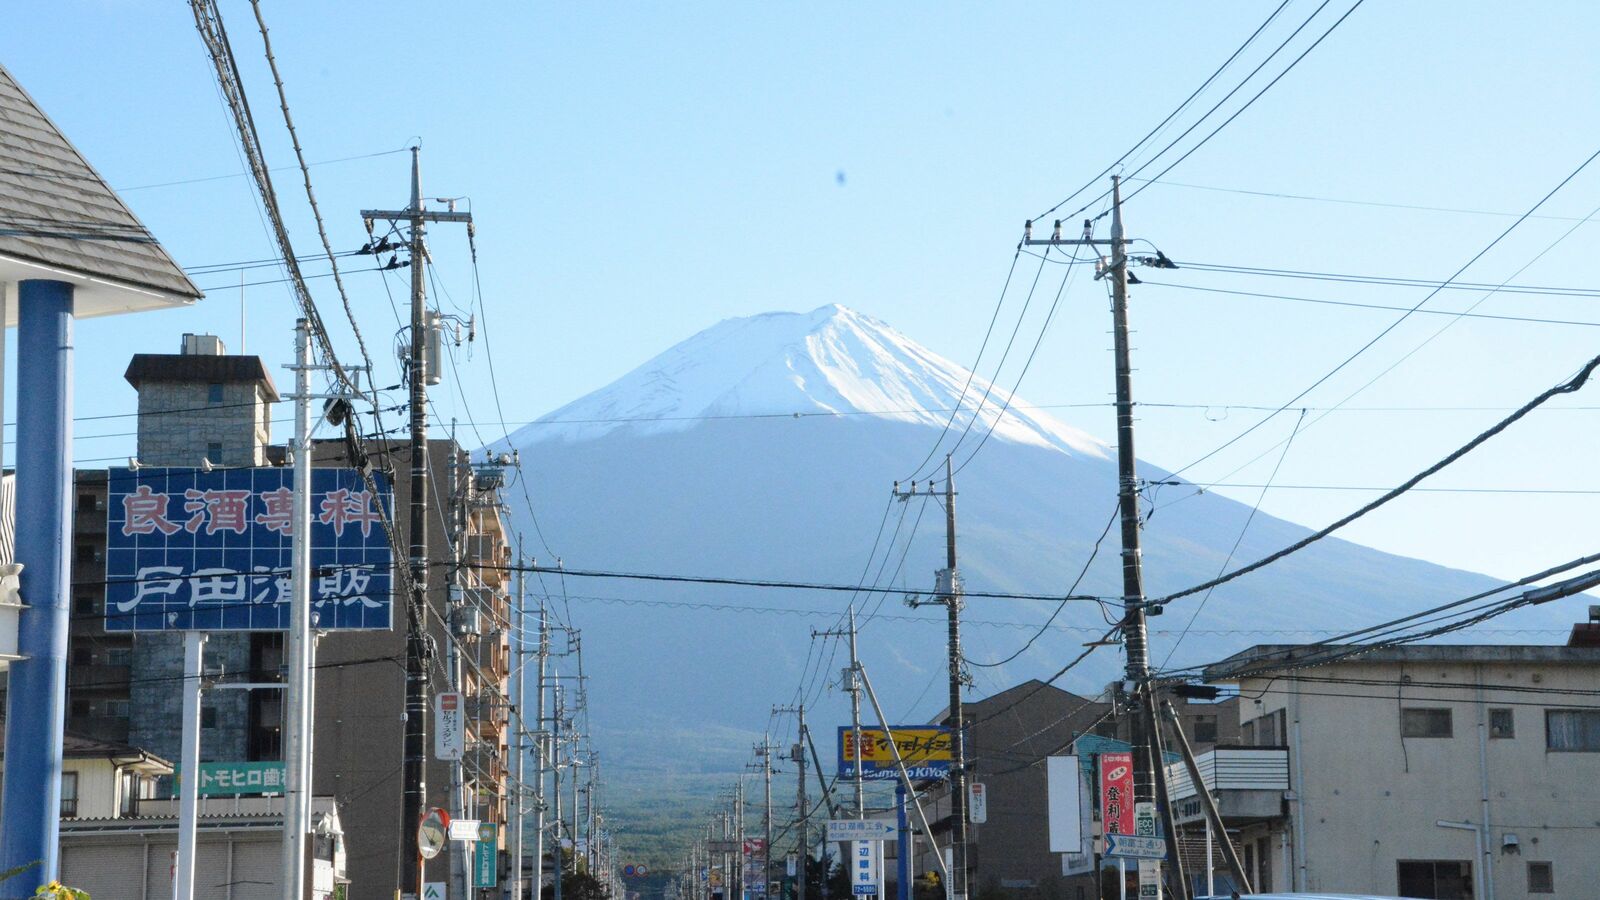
[905,779]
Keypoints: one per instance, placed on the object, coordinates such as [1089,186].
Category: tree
[575,885]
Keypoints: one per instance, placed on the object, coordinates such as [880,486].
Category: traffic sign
[1134,847]
[433,890]
[432,833]
[1149,880]
[463,829]
[862,830]
[627,871]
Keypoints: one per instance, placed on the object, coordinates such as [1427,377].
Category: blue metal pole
[903,847]
[30,817]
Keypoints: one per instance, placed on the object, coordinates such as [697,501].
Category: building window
[83,656]
[208,717]
[1502,724]
[214,453]
[117,709]
[80,708]
[119,656]
[69,795]
[214,392]
[1437,879]
[86,554]
[1572,730]
[1204,729]
[1247,733]
[1425,722]
[83,605]
[1541,878]
[85,503]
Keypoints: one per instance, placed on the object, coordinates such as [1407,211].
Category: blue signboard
[188,550]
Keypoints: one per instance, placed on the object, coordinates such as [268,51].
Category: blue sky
[641,170]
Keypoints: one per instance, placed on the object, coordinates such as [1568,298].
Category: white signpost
[977,803]
[864,867]
[449,736]
[463,829]
[1149,879]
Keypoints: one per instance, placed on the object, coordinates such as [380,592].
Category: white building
[1426,771]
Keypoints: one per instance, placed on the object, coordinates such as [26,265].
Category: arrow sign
[1133,847]
[862,830]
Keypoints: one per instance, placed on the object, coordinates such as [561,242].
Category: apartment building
[1430,771]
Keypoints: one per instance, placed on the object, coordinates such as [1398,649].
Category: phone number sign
[189,550]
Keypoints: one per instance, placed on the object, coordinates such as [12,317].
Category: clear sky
[641,170]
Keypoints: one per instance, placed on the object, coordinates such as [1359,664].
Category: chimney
[203,345]
[1586,634]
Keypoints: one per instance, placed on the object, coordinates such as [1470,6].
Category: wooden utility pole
[416,711]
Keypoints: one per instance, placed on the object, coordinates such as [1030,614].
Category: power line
[1171,115]
[768,583]
[1573,384]
[1248,103]
[1378,306]
[1396,323]
[1399,281]
[1093,552]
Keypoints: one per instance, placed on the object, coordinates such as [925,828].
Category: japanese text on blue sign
[188,550]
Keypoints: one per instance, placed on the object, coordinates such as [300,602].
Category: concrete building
[203,405]
[1009,735]
[1431,771]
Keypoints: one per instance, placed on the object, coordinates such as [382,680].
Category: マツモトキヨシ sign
[926,751]
[190,550]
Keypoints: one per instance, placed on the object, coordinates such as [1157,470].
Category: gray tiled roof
[56,210]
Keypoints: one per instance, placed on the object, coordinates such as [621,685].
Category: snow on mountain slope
[832,360]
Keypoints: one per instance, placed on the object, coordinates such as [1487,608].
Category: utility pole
[519,729]
[416,712]
[297,795]
[949,589]
[765,752]
[555,774]
[1134,636]
[542,757]
[798,755]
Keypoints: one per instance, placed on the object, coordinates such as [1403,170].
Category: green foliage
[55,890]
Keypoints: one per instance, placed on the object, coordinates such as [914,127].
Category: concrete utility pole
[764,750]
[542,757]
[1134,635]
[416,713]
[949,589]
[798,754]
[519,729]
[297,705]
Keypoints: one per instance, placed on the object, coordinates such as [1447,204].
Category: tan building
[1430,771]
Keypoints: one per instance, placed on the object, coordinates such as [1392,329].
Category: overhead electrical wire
[1169,117]
[1532,320]
[1566,387]
[1396,323]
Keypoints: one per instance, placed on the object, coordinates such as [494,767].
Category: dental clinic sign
[189,550]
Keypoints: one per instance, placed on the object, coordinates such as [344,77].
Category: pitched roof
[59,218]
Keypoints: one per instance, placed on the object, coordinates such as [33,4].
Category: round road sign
[433,833]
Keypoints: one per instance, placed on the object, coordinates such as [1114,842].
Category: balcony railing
[1232,769]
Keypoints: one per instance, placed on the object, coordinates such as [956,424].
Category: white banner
[1064,786]
[449,727]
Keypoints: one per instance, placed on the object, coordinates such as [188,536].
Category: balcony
[1247,782]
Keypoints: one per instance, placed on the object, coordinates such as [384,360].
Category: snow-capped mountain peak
[830,361]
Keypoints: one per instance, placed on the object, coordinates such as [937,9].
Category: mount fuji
[765,448]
